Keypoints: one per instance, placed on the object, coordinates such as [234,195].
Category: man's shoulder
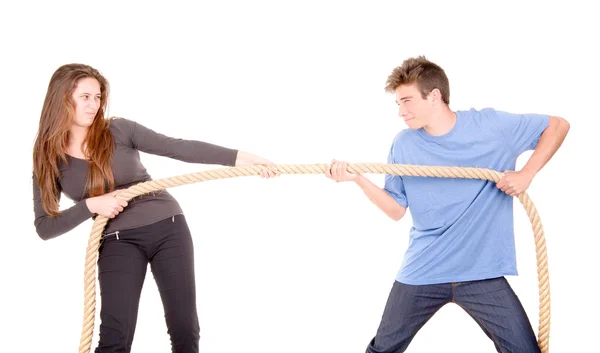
[479,118]
[478,112]
[403,136]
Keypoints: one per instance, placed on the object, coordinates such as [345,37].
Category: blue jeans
[491,303]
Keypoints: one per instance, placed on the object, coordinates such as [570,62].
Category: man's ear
[435,96]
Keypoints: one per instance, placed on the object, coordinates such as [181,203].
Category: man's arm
[515,183]
[550,141]
[381,198]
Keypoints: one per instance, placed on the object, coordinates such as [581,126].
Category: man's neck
[441,123]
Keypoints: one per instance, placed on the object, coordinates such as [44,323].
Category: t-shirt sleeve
[394,185]
[522,132]
[191,151]
[48,227]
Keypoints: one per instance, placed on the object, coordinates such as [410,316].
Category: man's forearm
[551,139]
[381,198]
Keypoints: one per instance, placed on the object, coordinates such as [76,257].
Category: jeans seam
[494,338]
[454,301]
[129,320]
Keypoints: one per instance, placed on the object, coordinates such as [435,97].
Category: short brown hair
[426,74]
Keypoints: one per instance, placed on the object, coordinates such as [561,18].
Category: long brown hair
[52,137]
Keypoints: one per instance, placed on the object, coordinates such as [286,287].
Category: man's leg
[408,308]
[498,311]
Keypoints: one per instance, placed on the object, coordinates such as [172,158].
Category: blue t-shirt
[462,228]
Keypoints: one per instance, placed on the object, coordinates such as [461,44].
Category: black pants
[491,303]
[167,246]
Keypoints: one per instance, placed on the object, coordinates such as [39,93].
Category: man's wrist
[530,172]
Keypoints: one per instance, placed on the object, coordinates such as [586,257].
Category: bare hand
[245,158]
[338,171]
[106,205]
[514,183]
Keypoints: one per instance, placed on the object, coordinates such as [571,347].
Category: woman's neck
[77,136]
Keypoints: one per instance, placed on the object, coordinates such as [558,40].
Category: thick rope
[393,169]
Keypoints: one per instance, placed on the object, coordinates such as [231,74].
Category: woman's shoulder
[121,128]
[119,122]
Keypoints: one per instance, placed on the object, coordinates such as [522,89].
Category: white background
[299,263]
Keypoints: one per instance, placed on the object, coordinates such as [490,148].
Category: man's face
[414,110]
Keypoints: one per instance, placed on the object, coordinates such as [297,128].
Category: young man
[462,241]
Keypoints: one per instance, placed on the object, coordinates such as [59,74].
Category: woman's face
[87,101]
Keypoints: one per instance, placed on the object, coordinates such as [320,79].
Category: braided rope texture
[359,168]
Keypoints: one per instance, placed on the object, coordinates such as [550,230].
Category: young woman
[89,158]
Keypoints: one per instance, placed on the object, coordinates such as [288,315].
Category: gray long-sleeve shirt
[129,138]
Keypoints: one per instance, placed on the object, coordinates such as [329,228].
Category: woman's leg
[172,264]
[121,272]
